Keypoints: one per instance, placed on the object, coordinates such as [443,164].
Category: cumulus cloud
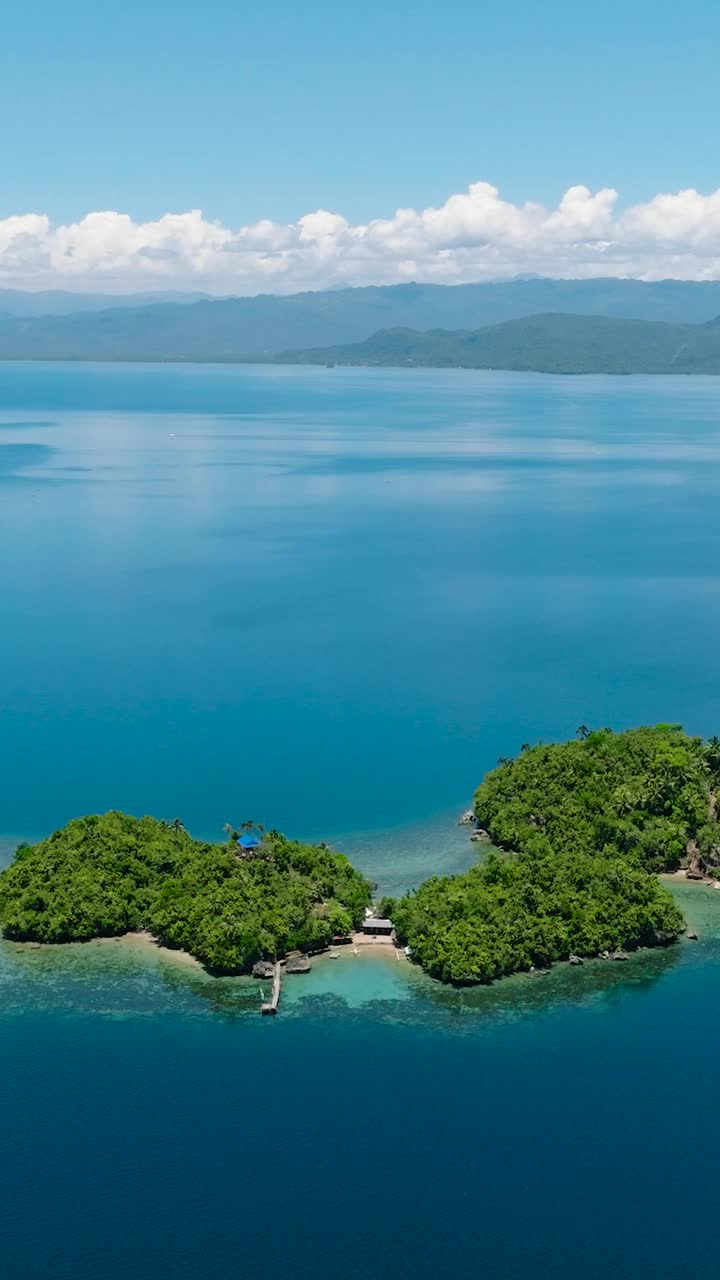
[474,235]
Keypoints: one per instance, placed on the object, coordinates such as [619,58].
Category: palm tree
[582,731]
[712,753]
[624,799]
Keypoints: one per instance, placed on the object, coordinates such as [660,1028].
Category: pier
[271,1005]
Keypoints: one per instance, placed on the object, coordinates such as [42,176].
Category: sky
[277,113]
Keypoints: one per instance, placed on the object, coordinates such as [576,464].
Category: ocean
[329,600]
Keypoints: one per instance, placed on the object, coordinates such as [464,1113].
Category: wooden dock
[271,1005]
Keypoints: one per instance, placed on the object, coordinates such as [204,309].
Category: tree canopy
[642,794]
[579,830]
[509,913]
[107,874]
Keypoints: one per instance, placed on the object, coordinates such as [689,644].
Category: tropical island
[580,830]
[578,833]
[228,905]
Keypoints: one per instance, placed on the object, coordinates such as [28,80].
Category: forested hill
[106,874]
[585,826]
[56,326]
[550,343]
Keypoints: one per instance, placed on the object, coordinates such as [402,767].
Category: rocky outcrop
[466,819]
[298,964]
[619,955]
[263,969]
[664,937]
[695,861]
[573,959]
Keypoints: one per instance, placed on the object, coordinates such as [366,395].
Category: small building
[375,925]
[248,843]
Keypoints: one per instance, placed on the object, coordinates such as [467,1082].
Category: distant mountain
[545,344]
[241,328]
[56,302]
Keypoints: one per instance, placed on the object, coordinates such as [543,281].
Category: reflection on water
[331,599]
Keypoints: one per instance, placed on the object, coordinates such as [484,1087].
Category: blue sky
[252,111]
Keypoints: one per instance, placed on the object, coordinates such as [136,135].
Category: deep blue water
[330,600]
[577,1138]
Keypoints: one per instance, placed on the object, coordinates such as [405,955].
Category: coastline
[681,877]
[139,941]
[424,840]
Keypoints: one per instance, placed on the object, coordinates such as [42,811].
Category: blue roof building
[248,842]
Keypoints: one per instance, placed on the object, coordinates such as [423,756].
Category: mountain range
[60,302]
[599,325]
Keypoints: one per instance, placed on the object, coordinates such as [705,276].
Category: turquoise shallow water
[329,600]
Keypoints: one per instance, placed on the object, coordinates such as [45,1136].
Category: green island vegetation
[108,874]
[580,830]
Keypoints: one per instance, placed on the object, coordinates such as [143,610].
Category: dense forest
[579,830]
[105,875]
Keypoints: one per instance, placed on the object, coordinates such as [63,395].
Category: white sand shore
[144,941]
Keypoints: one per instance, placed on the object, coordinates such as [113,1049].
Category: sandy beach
[683,876]
[376,941]
[141,940]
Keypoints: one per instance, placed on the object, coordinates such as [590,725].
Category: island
[255,896]
[579,831]
[574,834]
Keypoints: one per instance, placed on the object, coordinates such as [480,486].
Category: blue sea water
[329,600]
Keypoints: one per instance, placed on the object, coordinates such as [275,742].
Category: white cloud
[474,235]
